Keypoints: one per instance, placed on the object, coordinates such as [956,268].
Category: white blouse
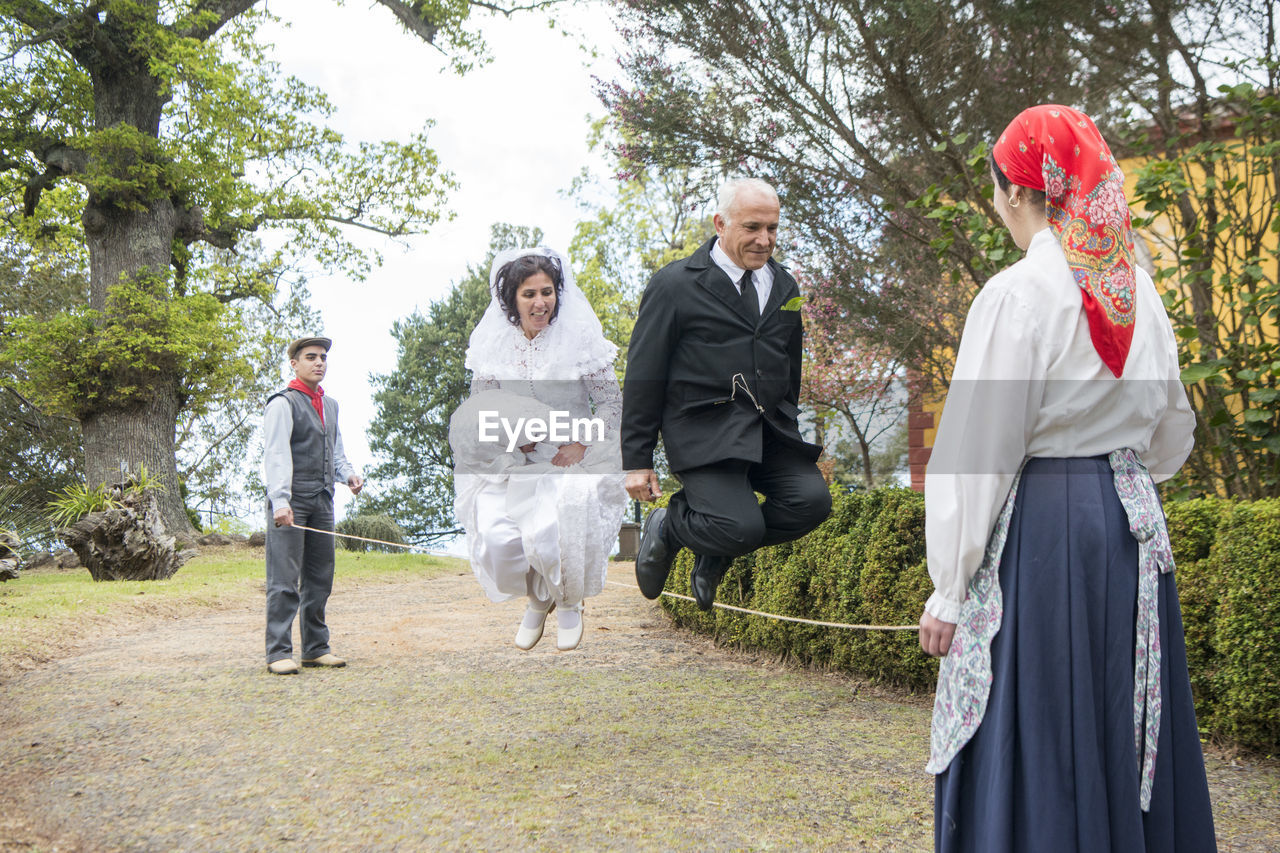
[1029,383]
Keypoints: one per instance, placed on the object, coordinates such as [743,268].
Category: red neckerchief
[1059,150]
[317,396]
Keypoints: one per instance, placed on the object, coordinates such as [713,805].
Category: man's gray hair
[730,189]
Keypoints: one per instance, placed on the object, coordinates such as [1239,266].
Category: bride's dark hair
[515,273]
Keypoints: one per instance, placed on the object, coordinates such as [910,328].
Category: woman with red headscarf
[1063,719]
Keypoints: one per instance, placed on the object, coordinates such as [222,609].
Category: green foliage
[39,450]
[75,502]
[234,135]
[80,499]
[657,216]
[126,166]
[868,117]
[23,515]
[1211,201]
[144,481]
[866,565]
[371,526]
[1230,594]
[161,140]
[959,208]
[83,360]
[1193,527]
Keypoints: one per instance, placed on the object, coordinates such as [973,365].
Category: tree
[39,450]
[412,481]
[857,110]
[1211,192]
[888,459]
[874,119]
[650,218]
[171,134]
[846,376]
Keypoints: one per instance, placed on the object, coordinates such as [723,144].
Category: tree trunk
[126,542]
[119,442]
[132,240]
[864,448]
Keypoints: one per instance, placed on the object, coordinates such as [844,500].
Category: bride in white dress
[541,507]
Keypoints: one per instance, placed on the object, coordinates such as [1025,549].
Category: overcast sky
[513,133]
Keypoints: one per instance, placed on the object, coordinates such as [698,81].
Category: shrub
[1246,677]
[1193,527]
[371,526]
[866,565]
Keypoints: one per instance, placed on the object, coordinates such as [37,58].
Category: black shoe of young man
[705,578]
[653,563]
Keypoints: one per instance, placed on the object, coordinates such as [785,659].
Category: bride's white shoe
[527,638]
[567,639]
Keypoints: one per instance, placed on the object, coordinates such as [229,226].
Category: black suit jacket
[694,356]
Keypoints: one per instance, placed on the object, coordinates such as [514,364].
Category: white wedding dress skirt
[521,512]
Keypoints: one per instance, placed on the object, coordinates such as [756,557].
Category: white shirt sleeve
[987,422]
[1174,435]
[342,468]
[277,458]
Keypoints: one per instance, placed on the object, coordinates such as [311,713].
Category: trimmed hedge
[1228,576]
[866,565]
[371,526]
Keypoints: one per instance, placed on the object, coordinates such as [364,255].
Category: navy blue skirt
[1053,767]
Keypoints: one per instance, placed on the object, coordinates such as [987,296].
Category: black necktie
[750,301]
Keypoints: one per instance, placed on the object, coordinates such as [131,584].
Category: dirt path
[442,735]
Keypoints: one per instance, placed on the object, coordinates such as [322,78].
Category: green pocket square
[793,304]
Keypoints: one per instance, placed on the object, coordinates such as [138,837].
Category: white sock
[533,618]
[568,618]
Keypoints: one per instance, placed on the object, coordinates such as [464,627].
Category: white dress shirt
[1029,383]
[762,278]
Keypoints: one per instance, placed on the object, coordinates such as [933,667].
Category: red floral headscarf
[1059,150]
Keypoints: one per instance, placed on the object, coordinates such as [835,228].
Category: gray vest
[311,447]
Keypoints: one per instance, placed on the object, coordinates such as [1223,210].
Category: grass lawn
[49,611]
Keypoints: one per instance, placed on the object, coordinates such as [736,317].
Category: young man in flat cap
[303,459]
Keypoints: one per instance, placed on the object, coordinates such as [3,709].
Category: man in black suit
[714,366]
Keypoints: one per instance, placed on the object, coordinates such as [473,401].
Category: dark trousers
[716,512]
[299,578]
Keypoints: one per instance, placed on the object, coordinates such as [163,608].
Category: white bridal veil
[575,344]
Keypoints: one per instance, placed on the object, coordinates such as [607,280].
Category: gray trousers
[299,577]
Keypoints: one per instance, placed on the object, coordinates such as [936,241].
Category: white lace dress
[519,510]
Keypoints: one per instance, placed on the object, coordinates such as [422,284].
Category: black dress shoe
[653,563]
[705,578]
